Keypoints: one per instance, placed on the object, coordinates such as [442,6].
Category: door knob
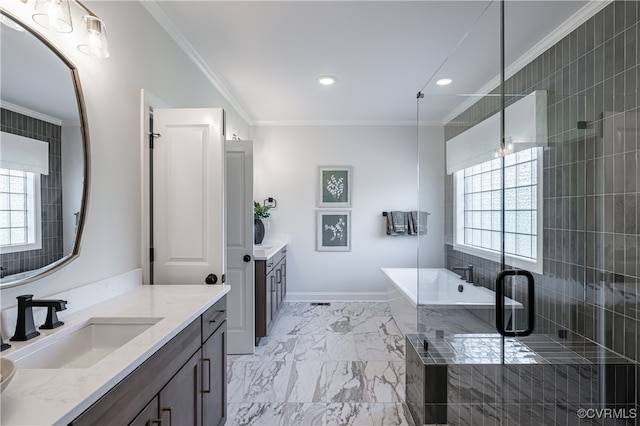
[246,258]
[211,279]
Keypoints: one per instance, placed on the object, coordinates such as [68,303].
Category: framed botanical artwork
[335,186]
[333,230]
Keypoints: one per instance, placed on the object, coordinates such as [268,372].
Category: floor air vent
[320,304]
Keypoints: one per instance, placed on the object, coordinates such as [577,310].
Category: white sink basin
[82,348]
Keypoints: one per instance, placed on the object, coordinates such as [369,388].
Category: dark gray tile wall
[442,389]
[51,193]
[591,181]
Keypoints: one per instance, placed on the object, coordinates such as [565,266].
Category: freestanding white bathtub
[440,301]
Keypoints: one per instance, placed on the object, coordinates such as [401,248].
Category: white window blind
[525,127]
[23,154]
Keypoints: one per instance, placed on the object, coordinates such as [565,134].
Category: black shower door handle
[500,326]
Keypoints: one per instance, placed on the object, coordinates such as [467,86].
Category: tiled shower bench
[465,379]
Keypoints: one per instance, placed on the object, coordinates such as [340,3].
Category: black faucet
[3,345]
[25,328]
[468,274]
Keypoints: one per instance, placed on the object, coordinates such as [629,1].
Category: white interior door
[240,263]
[188,193]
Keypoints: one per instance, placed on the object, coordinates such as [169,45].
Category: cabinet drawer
[213,317]
[277,257]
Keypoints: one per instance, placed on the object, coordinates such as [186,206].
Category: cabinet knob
[246,258]
[211,279]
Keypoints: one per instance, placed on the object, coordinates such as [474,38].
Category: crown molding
[35,114]
[319,123]
[577,19]
[158,14]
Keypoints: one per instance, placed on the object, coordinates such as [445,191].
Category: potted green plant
[259,212]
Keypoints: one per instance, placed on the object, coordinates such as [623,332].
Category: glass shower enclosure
[533,316]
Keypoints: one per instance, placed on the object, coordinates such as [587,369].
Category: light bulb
[54,15]
[326,80]
[95,42]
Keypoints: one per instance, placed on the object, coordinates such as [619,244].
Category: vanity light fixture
[95,43]
[56,15]
[444,82]
[326,80]
[11,24]
[504,151]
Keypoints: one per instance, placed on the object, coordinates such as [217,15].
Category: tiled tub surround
[341,364]
[460,380]
[591,188]
[51,193]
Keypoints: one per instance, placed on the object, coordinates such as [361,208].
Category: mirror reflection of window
[19,206]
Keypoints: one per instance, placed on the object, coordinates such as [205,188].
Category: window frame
[533,265]
[34,217]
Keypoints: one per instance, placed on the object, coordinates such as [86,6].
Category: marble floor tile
[381,324]
[266,381]
[335,365]
[386,414]
[311,347]
[366,309]
[341,347]
[339,324]
[278,347]
[384,381]
[307,382]
[245,414]
[299,309]
[338,308]
[377,347]
[304,414]
[353,414]
[235,381]
[345,382]
[297,325]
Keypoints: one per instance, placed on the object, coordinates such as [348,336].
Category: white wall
[384,160]
[431,195]
[143,56]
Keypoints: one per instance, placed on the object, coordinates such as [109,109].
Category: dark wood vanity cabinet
[184,383]
[214,369]
[149,412]
[271,289]
[180,399]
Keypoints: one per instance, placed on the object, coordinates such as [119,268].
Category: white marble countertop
[267,249]
[57,396]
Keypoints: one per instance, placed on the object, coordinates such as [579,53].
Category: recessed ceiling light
[444,81]
[326,80]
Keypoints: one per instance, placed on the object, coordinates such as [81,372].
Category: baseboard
[336,296]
